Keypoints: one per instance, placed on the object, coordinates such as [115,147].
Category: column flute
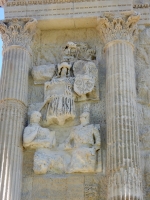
[16,35]
[123,156]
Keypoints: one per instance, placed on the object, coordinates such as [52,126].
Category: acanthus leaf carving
[18,32]
[118,27]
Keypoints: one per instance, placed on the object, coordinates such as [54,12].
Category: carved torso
[83,135]
[44,137]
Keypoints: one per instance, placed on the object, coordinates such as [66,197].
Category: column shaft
[12,114]
[14,92]
[122,126]
[16,35]
[118,31]
[14,81]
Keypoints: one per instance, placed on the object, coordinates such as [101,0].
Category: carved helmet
[64,65]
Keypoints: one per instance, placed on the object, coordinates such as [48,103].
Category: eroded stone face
[35,136]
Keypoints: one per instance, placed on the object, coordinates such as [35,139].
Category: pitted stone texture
[53,162]
[43,73]
[76,187]
[27,188]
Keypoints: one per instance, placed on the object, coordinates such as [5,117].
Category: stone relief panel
[59,103]
[72,80]
[78,153]
[52,44]
[65,50]
[49,46]
[84,141]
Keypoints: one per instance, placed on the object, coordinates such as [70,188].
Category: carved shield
[83,84]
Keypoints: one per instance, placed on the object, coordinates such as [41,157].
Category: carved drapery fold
[17,36]
[123,156]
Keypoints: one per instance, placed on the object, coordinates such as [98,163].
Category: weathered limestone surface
[99,157]
[16,35]
[49,51]
[123,152]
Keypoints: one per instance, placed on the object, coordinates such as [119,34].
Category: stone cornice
[122,26]
[17,32]
[43,2]
[37,2]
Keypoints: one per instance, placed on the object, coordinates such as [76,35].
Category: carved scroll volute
[118,27]
[17,32]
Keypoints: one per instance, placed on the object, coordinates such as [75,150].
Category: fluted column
[123,156]
[17,36]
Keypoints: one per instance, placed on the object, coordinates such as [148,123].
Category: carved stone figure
[46,160]
[77,51]
[84,141]
[85,52]
[59,100]
[43,73]
[37,137]
[69,53]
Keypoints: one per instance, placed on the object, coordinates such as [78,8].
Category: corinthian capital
[122,26]
[18,32]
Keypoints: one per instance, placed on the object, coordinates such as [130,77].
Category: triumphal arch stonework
[75,100]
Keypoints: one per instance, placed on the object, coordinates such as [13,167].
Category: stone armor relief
[72,80]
